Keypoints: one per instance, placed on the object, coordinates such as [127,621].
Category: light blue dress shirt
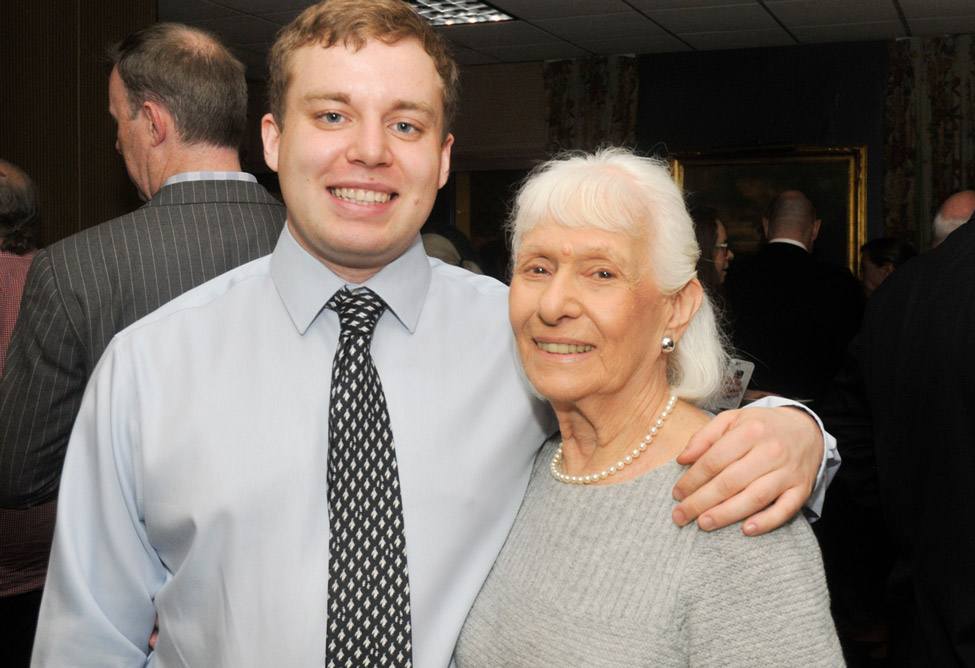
[194,486]
[195,477]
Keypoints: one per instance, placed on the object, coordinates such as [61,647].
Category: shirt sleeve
[103,576]
[43,382]
[829,465]
[758,601]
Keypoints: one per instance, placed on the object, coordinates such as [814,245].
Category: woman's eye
[603,274]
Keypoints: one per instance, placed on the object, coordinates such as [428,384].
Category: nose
[731,255]
[560,300]
[370,144]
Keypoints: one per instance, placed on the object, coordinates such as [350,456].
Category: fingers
[743,461]
[729,445]
[787,505]
[732,491]
[702,440]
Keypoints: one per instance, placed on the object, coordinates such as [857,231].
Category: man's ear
[815,229]
[765,228]
[445,159]
[159,122]
[271,136]
[684,305]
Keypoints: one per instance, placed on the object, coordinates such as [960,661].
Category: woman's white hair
[616,190]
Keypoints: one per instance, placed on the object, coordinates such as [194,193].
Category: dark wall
[831,94]
[54,106]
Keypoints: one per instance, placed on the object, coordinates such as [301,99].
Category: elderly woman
[613,327]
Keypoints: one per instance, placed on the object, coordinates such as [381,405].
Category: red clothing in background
[13,271]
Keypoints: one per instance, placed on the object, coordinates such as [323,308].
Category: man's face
[361,155]
[132,141]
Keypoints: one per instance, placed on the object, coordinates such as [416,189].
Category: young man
[198,487]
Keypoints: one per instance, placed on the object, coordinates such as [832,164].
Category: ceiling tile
[831,12]
[182,11]
[465,56]
[854,32]
[555,29]
[268,6]
[607,26]
[661,43]
[530,53]
[956,25]
[651,5]
[497,34]
[738,39]
[533,9]
[932,9]
[714,19]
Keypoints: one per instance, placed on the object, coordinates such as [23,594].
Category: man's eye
[405,128]
[332,117]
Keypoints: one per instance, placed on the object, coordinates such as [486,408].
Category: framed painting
[740,184]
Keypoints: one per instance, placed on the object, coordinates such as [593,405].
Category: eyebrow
[588,252]
[345,98]
[323,96]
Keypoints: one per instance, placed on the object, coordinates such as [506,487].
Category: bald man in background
[953,213]
[792,314]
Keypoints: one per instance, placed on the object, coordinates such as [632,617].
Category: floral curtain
[930,131]
[591,102]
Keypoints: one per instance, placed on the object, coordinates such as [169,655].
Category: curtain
[930,131]
[591,102]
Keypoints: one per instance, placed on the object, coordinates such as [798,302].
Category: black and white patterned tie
[368,580]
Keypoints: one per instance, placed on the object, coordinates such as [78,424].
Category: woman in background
[716,254]
[879,258]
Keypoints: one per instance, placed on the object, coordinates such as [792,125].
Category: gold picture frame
[739,184]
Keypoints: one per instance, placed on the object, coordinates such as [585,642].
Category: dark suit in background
[903,411]
[793,316]
[83,289]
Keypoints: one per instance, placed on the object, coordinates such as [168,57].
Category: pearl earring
[668,344]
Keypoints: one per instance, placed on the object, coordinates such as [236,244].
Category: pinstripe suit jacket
[83,289]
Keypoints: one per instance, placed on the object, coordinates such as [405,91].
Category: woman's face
[722,251]
[872,275]
[586,314]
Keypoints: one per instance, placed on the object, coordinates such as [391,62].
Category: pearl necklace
[556,466]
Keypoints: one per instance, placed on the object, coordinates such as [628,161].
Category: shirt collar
[783,240]
[208,176]
[305,283]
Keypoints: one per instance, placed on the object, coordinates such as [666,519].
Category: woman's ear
[684,305]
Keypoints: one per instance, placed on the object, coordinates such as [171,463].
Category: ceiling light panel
[457,12]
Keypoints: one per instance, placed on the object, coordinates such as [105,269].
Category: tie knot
[358,311]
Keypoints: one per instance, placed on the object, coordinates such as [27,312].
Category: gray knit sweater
[601,576]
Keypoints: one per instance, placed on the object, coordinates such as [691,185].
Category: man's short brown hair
[352,23]
[193,75]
